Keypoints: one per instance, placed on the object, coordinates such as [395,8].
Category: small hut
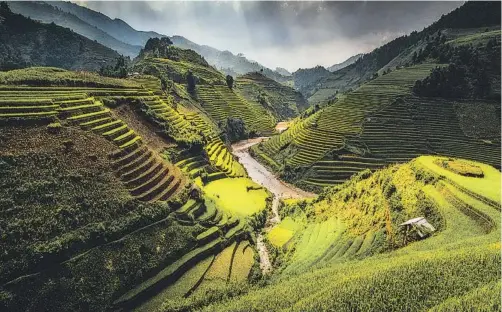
[419,225]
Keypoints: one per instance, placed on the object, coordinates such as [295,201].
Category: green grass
[231,195]
[474,39]
[283,232]
[50,76]
[242,263]
[180,288]
[488,186]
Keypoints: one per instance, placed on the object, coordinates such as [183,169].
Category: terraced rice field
[463,256]
[231,265]
[221,102]
[283,101]
[283,232]
[378,124]
[222,158]
[198,266]
[239,196]
[143,172]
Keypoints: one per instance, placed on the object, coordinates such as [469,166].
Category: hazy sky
[286,34]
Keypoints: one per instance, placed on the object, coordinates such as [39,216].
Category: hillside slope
[226,61]
[398,115]
[48,13]
[320,87]
[99,196]
[25,42]
[351,60]
[284,102]
[210,91]
[380,123]
[333,262]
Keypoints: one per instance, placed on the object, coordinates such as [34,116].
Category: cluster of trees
[118,71]
[230,81]
[157,47]
[163,48]
[191,81]
[468,75]
[234,129]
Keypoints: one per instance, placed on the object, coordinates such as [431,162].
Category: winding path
[261,175]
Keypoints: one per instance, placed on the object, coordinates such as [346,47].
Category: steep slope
[380,123]
[305,80]
[334,264]
[47,13]
[283,71]
[25,42]
[122,219]
[351,60]
[284,102]
[400,114]
[471,15]
[210,90]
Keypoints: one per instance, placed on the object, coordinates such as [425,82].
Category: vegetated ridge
[427,108]
[345,63]
[320,87]
[50,13]
[25,42]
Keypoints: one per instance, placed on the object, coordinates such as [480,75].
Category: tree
[4,8]
[117,71]
[235,129]
[414,58]
[191,81]
[230,81]
[163,84]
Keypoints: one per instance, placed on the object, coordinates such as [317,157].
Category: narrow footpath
[279,189]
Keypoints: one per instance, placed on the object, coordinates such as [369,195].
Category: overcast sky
[281,34]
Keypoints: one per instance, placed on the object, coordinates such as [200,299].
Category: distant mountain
[282,71]
[283,101]
[25,42]
[305,79]
[48,13]
[120,36]
[345,63]
[114,27]
[226,61]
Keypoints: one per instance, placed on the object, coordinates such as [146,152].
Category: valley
[143,172]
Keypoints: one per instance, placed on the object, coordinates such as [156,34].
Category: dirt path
[280,189]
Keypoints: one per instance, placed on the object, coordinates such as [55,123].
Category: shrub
[54,127]
[461,167]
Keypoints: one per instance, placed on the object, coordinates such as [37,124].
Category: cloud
[284,34]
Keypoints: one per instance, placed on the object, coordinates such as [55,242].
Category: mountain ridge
[26,42]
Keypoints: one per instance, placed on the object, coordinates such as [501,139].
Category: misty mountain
[121,37]
[25,42]
[47,13]
[226,61]
[223,60]
[345,63]
[283,71]
[114,27]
